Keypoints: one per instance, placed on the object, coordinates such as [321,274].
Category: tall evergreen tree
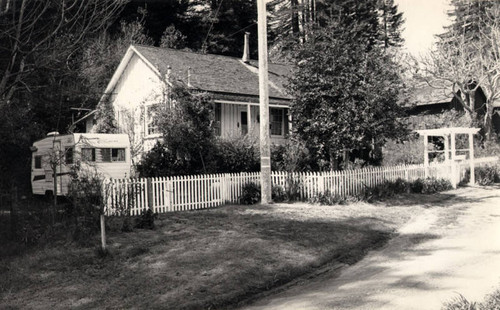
[391,23]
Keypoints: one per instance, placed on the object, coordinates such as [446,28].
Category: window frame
[113,159]
[151,128]
[69,155]
[37,162]
[92,154]
[272,122]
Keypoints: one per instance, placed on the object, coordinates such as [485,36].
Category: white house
[146,72]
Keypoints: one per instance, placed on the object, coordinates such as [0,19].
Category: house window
[69,155]
[152,119]
[276,122]
[113,155]
[218,117]
[244,122]
[38,162]
[88,154]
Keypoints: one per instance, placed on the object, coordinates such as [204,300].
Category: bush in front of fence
[387,189]
[485,175]
[250,193]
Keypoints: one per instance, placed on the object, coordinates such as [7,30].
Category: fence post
[149,190]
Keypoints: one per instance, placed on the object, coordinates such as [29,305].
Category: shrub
[278,194]
[327,198]
[236,154]
[387,189]
[486,175]
[250,194]
[430,186]
[291,156]
[146,220]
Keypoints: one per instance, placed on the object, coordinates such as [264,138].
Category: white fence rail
[166,194]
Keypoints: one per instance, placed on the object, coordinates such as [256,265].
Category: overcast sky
[423,20]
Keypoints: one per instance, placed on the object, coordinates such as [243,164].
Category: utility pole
[265,152]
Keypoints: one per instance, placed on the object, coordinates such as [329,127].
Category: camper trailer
[108,155]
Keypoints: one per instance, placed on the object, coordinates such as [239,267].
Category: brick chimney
[246,48]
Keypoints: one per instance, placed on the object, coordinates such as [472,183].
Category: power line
[212,24]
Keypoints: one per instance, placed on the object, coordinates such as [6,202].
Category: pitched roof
[216,73]
[428,95]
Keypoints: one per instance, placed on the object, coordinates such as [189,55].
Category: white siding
[231,121]
[137,87]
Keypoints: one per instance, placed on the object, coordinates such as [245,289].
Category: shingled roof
[216,73]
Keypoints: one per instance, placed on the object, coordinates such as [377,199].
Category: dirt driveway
[445,250]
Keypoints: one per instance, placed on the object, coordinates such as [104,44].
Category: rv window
[69,155]
[105,155]
[88,154]
[118,154]
[38,162]
[108,155]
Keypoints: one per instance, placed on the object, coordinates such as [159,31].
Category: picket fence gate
[181,193]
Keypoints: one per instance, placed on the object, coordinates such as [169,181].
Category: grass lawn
[207,259]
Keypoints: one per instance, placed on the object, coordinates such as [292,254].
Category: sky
[423,20]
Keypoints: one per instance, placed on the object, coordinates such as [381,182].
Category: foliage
[430,186]
[105,116]
[460,303]
[346,93]
[39,80]
[250,194]
[492,301]
[173,38]
[327,198]
[292,156]
[146,220]
[485,175]
[237,154]
[102,54]
[387,189]
[466,59]
[408,152]
[294,22]
[390,23]
[85,193]
[185,122]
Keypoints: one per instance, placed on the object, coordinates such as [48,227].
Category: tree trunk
[487,124]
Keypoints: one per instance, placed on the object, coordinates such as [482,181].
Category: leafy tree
[173,38]
[467,58]
[185,121]
[346,93]
[105,116]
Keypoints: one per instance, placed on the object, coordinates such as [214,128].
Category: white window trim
[282,122]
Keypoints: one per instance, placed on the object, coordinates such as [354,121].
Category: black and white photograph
[250,154]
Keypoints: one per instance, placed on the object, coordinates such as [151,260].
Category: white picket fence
[167,194]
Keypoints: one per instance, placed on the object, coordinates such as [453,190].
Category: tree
[213,26]
[185,121]
[33,30]
[41,43]
[105,116]
[294,22]
[346,93]
[173,38]
[391,22]
[466,59]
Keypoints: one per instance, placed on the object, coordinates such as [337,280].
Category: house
[426,102]
[145,74]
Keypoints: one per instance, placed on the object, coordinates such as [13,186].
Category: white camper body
[105,154]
